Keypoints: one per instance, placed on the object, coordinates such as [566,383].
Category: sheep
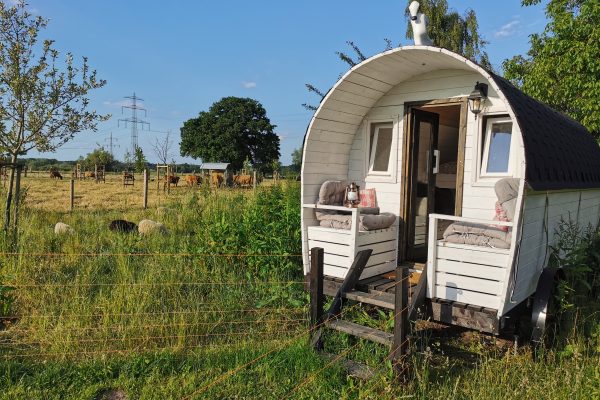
[62,229]
[148,227]
[121,225]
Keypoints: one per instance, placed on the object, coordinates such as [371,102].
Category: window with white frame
[381,139]
[496,144]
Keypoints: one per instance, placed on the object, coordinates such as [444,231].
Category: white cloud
[283,136]
[249,85]
[508,29]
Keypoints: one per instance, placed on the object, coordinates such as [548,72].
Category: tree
[139,160]
[99,157]
[297,159]
[232,130]
[162,148]
[450,30]
[562,66]
[446,28]
[43,103]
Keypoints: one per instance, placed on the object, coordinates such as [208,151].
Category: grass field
[216,309]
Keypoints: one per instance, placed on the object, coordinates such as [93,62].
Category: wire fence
[67,317]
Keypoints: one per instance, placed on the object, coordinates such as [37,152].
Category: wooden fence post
[316,290]
[72,196]
[145,188]
[400,343]
[254,181]
[96,172]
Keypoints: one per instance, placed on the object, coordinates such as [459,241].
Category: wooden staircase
[402,291]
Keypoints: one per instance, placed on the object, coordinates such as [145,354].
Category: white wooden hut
[401,123]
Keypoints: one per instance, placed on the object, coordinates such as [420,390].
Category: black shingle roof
[560,153]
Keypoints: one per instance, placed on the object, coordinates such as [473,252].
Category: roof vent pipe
[418,21]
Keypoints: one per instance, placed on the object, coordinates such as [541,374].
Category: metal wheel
[543,316]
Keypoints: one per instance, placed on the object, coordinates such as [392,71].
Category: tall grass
[229,270]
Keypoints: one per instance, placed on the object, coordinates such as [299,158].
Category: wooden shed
[428,135]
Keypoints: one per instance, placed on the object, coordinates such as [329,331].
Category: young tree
[139,160]
[162,148]
[562,67]
[446,28]
[297,159]
[99,157]
[43,103]
[232,130]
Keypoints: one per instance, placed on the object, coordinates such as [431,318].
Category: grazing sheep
[62,229]
[148,227]
[121,225]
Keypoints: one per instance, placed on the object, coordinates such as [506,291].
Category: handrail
[470,220]
[328,207]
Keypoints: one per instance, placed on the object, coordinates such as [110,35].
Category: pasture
[216,309]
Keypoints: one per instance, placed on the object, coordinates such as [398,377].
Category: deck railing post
[400,344]
[316,289]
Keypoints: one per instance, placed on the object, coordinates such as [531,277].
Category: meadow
[217,309]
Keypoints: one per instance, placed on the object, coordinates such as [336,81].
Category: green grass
[151,326]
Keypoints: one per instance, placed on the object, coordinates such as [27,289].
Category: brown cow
[217,179]
[243,180]
[171,180]
[89,174]
[54,174]
[192,180]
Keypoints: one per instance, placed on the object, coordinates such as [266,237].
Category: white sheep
[62,229]
[147,227]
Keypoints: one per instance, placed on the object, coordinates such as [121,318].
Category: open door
[422,168]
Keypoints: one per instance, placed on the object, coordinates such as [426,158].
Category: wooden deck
[379,291]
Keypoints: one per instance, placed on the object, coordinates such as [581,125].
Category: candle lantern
[352,195]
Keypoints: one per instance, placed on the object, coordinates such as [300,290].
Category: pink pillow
[367,198]
[500,215]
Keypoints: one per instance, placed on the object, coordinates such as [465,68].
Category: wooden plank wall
[582,207]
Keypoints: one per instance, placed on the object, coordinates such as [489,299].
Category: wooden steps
[364,332]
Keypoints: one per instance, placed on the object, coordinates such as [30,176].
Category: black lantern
[477,97]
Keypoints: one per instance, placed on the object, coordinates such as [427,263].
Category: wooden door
[424,162]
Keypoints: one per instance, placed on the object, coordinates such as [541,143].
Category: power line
[111,144]
[134,120]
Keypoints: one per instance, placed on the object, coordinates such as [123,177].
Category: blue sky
[182,56]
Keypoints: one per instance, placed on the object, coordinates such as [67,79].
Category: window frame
[391,173]
[483,148]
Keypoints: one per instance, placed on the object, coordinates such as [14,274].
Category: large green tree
[562,67]
[232,130]
[43,101]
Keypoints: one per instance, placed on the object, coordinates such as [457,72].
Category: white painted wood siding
[582,207]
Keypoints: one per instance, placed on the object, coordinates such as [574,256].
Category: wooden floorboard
[364,332]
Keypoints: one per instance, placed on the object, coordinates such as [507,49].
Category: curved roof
[559,152]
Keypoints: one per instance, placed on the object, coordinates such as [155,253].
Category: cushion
[368,198]
[332,193]
[477,234]
[367,222]
[507,190]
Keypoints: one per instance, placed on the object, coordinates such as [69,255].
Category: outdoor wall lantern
[477,98]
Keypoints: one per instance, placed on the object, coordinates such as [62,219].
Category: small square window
[495,159]
[380,141]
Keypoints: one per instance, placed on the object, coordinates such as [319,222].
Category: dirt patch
[111,394]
